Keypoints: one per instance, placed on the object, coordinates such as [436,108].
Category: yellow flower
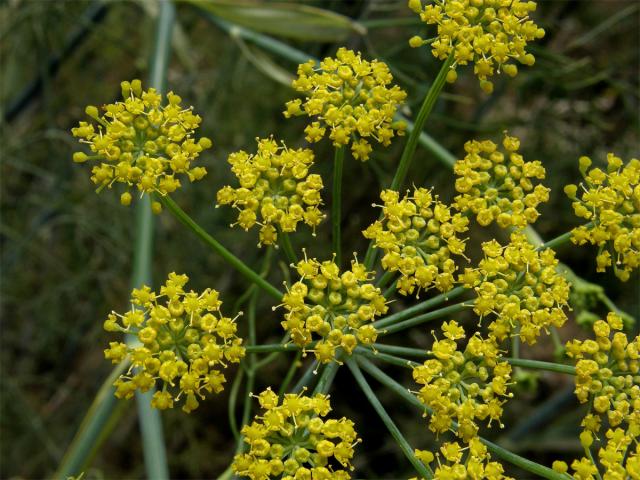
[351,98]
[140,142]
[611,202]
[185,342]
[476,465]
[276,189]
[463,386]
[418,235]
[334,308]
[520,287]
[292,439]
[490,34]
[499,186]
[608,373]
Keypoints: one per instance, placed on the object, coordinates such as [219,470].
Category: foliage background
[66,251]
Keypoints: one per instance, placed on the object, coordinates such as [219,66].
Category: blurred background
[66,251]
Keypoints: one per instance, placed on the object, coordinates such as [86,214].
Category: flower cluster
[611,202]
[619,457]
[520,286]
[291,440]
[352,98]
[476,465]
[463,386]
[276,189]
[490,34]
[140,142]
[418,235]
[185,342]
[337,307]
[499,186]
[608,377]
[608,374]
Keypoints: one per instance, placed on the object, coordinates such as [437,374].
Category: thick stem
[336,203]
[217,247]
[388,422]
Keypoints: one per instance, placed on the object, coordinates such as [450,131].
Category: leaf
[264,63]
[301,22]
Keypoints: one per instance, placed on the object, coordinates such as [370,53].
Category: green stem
[512,458]
[306,379]
[287,247]
[385,357]
[389,352]
[412,142]
[272,347]
[295,364]
[336,203]
[388,422]
[556,242]
[385,279]
[217,247]
[95,426]
[539,365]
[155,456]
[420,307]
[412,322]
[233,401]
[326,377]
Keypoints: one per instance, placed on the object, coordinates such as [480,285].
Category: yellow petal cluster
[140,142]
[520,287]
[499,185]
[608,378]
[292,440]
[184,343]
[352,98]
[490,34]
[276,189]
[418,235]
[611,202]
[329,311]
[455,461]
[465,386]
[608,373]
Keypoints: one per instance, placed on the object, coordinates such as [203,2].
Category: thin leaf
[302,22]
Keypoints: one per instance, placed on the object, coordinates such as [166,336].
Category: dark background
[66,251]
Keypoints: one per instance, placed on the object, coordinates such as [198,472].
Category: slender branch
[336,203]
[272,347]
[392,359]
[287,247]
[540,365]
[295,364]
[385,279]
[412,142]
[307,378]
[420,307]
[217,247]
[388,422]
[512,458]
[389,353]
[326,377]
[412,322]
